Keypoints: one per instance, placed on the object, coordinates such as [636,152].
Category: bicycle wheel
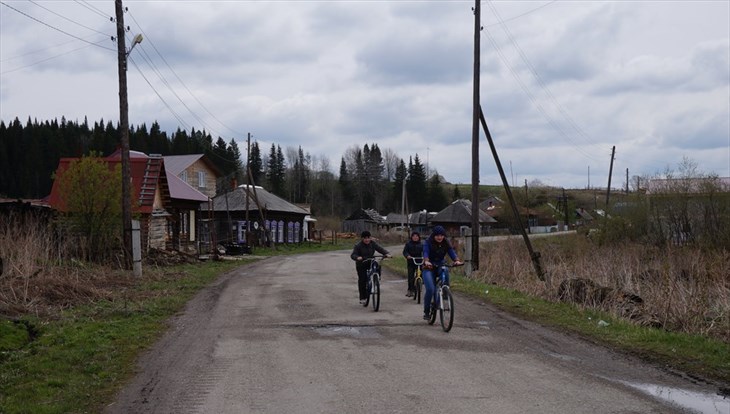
[418,287]
[447,309]
[376,292]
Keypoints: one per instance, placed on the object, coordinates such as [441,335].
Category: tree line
[368,177]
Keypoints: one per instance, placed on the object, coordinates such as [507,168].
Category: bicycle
[373,284]
[418,279]
[445,305]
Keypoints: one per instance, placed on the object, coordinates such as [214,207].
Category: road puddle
[351,331]
[696,401]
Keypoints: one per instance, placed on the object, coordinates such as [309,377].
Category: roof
[368,215]
[395,218]
[236,201]
[460,212]
[178,163]
[137,165]
[180,190]
[583,213]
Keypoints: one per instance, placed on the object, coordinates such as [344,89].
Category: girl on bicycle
[413,248]
[435,250]
[365,249]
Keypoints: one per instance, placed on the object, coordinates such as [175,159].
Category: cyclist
[413,248]
[365,249]
[435,250]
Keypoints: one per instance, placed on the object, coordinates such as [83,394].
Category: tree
[416,184]
[91,191]
[276,173]
[256,164]
[437,200]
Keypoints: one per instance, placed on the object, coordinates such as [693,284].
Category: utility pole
[527,205]
[565,208]
[627,181]
[475,230]
[248,183]
[610,173]
[124,131]
[589,177]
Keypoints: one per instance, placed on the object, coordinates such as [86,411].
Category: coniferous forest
[367,177]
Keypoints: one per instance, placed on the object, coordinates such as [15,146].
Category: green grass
[693,354]
[76,363]
[305,247]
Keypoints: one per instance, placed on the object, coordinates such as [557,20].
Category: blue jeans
[429,281]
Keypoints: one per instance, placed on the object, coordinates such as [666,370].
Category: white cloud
[568,81]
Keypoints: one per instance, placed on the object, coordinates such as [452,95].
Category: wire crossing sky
[562,82]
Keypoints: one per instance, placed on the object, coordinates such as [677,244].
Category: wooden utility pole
[124,132]
[475,229]
[248,183]
[610,173]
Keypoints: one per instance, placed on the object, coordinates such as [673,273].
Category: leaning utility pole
[475,229]
[124,131]
[610,173]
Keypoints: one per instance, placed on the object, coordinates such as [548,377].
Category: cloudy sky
[562,82]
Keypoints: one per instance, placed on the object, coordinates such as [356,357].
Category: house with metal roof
[196,170]
[167,206]
[364,219]
[457,216]
[251,215]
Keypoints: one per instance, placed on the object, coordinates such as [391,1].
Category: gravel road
[286,334]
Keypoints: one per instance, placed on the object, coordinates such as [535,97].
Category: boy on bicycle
[413,248]
[435,250]
[365,249]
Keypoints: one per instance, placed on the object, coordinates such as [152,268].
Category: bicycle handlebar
[418,261]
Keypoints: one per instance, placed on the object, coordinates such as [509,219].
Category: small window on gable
[201,179]
[184,176]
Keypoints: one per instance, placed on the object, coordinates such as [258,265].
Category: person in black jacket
[365,249]
[413,248]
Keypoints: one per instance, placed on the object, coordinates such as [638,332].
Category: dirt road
[287,334]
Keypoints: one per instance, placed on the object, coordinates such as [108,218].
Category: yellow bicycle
[418,280]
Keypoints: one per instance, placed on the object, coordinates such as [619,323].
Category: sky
[561,82]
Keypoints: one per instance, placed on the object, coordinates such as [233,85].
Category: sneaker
[426,317]
[409,294]
[362,301]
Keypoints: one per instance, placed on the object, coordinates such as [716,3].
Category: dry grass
[37,276]
[682,289]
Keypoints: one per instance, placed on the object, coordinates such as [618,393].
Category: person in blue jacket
[435,250]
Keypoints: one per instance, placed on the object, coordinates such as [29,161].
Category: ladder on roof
[149,181]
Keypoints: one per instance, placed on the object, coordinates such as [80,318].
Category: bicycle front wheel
[369,289]
[447,309]
[418,288]
[376,292]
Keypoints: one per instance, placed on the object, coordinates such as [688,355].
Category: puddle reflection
[697,401]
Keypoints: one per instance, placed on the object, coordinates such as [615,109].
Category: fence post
[136,249]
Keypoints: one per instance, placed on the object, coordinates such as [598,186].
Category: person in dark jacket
[365,249]
[435,250]
[413,248]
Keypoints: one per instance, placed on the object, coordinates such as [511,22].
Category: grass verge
[76,362]
[693,354]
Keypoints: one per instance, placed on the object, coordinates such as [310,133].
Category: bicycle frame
[418,279]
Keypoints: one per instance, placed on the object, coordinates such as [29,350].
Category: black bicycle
[373,284]
[444,303]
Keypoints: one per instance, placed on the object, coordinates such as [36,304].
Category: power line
[158,95]
[49,58]
[54,28]
[94,9]
[67,19]
[181,81]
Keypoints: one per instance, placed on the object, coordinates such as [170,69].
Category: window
[201,179]
[184,176]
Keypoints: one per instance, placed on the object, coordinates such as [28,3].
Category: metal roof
[460,212]
[236,201]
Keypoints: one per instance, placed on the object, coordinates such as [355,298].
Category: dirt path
[287,335]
